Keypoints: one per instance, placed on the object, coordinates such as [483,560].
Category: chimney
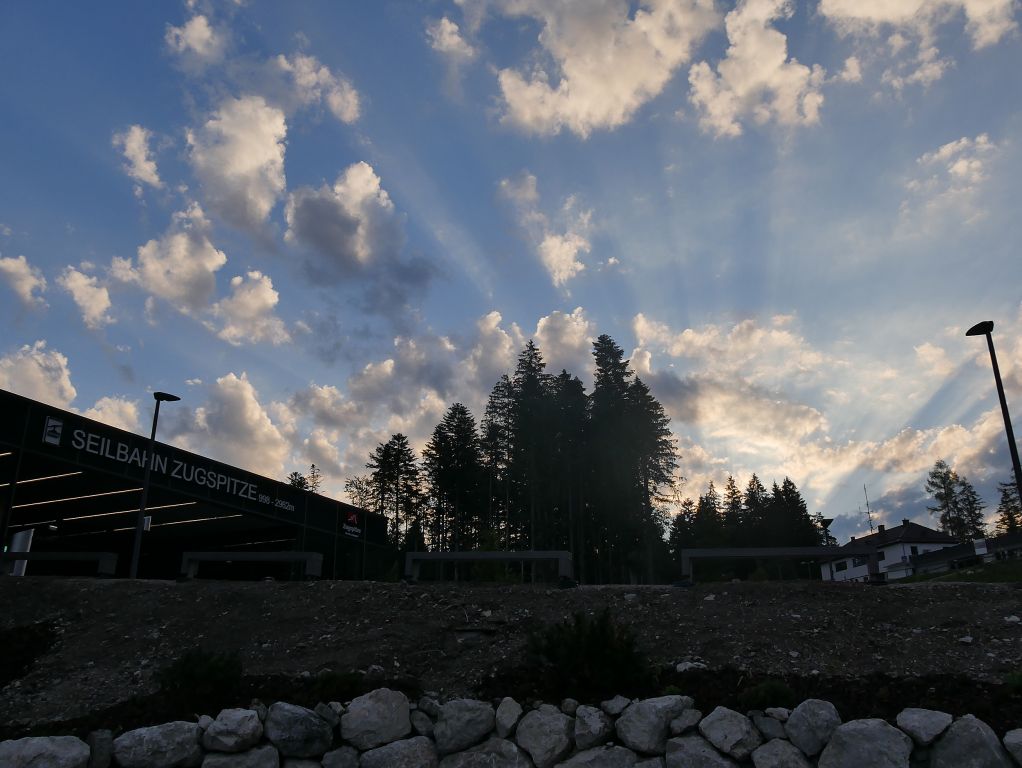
[904,521]
[880,528]
[852,539]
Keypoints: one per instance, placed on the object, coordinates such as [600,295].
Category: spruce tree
[396,484]
[1009,510]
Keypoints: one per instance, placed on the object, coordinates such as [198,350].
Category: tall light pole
[150,459]
[984,329]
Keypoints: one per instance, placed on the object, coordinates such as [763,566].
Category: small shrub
[769,693]
[201,680]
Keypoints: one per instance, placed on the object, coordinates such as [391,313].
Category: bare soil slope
[76,647]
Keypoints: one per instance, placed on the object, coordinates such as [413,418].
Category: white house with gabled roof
[894,547]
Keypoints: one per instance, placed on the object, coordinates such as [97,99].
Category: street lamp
[136,550]
[984,329]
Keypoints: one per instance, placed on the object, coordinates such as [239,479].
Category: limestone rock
[430,706]
[417,752]
[969,743]
[872,741]
[234,730]
[686,721]
[769,727]
[48,751]
[298,762]
[462,723]
[545,734]
[508,713]
[615,706]
[777,713]
[730,732]
[923,725]
[651,762]
[644,725]
[345,757]
[688,751]
[328,713]
[296,731]
[171,745]
[779,753]
[1013,743]
[421,723]
[204,722]
[810,725]
[376,718]
[592,727]
[568,706]
[265,756]
[602,757]
[493,753]
[101,747]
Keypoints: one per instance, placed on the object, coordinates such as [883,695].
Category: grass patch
[999,572]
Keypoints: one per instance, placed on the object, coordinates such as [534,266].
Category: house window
[881,555]
[915,550]
[858,562]
[841,566]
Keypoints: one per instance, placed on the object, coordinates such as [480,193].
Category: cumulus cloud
[559,249]
[93,299]
[247,314]
[604,62]
[947,182]
[312,82]
[445,37]
[238,157]
[37,372]
[133,143]
[180,266]
[115,411]
[756,79]
[24,279]
[566,339]
[197,42]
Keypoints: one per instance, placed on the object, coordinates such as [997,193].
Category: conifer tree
[396,484]
[1009,510]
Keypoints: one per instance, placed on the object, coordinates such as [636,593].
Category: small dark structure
[773,553]
[565,569]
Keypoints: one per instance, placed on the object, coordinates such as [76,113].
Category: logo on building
[51,433]
[351,526]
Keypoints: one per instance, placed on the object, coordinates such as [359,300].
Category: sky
[322,223]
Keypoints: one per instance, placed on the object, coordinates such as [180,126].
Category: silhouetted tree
[297,480]
[453,466]
[396,484]
[970,507]
[1009,510]
[359,489]
[959,507]
[314,480]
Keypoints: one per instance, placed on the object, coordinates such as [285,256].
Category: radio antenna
[869,515]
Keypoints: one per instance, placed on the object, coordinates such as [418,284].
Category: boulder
[296,731]
[48,751]
[651,762]
[730,732]
[644,725]
[265,756]
[810,724]
[568,706]
[872,741]
[101,747]
[592,727]
[779,753]
[430,706]
[328,713]
[462,723]
[689,751]
[615,706]
[234,730]
[923,725]
[377,718]
[777,713]
[602,757]
[686,721]
[298,762]
[345,757]
[171,745]
[508,713]
[1013,743]
[769,727]
[969,743]
[416,752]
[545,734]
[492,753]
[421,723]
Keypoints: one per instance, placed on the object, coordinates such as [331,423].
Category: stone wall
[382,729]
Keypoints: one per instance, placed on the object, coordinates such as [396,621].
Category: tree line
[959,508]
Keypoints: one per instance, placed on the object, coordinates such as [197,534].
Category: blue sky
[322,223]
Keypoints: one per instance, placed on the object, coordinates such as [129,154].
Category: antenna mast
[869,515]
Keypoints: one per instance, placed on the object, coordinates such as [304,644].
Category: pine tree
[396,484]
[1009,510]
[708,526]
[314,479]
[941,484]
[682,526]
[359,489]
[496,444]
[297,480]
[453,464]
[530,443]
[754,505]
[733,516]
[971,508]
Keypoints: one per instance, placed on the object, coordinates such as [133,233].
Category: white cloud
[39,373]
[93,299]
[247,314]
[445,37]
[756,79]
[948,182]
[852,71]
[197,41]
[179,267]
[566,342]
[24,280]
[607,61]
[238,156]
[134,145]
[115,411]
[934,359]
[314,82]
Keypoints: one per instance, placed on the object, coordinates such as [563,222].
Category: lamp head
[981,329]
[165,397]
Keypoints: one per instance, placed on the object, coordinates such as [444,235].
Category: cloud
[947,183]
[180,266]
[238,157]
[444,36]
[197,42]
[37,372]
[558,250]
[312,82]
[756,79]
[604,62]
[566,342]
[247,314]
[934,359]
[93,299]
[134,145]
[115,411]
[24,279]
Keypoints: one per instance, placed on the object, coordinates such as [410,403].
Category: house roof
[906,533]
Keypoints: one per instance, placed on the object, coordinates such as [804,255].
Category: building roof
[906,533]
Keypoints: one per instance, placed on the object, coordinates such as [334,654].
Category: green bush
[201,680]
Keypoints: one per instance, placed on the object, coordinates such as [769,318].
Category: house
[894,549]
[1005,547]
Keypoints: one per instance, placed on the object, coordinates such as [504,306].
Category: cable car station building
[70,490]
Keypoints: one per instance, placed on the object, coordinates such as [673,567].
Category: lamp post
[984,329]
[150,459]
